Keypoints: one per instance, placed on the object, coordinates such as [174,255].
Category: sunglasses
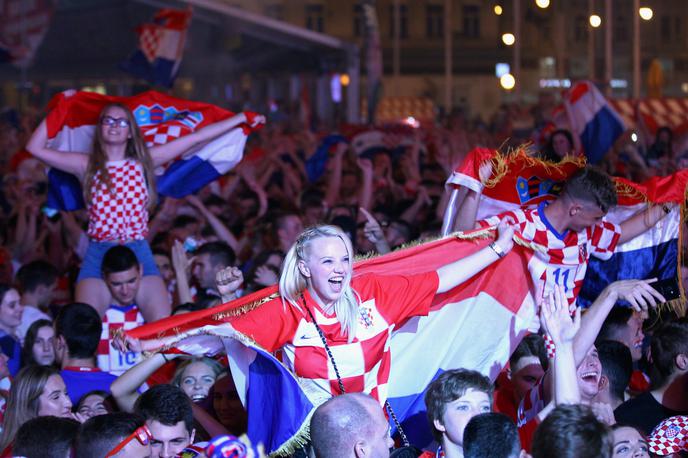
[142,434]
[109,121]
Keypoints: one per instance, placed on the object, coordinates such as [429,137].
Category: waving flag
[161,46]
[588,114]
[279,406]
[71,127]
[522,182]
[480,322]
[23,26]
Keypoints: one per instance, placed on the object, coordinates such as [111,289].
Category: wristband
[500,253]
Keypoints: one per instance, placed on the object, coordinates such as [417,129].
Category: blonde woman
[119,188]
[334,330]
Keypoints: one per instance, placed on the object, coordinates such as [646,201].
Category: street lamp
[595,20]
[508,39]
[645,13]
[542,3]
[498,10]
[507,81]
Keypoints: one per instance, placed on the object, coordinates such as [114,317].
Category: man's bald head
[350,425]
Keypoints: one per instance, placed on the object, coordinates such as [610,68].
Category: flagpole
[636,50]
[396,64]
[591,42]
[517,48]
[608,56]
[448,63]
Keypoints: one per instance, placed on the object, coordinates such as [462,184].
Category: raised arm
[638,293]
[469,201]
[457,272]
[67,161]
[641,221]
[335,179]
[162,154]
[562,329]
[222,231]
[181,265]
[125,388]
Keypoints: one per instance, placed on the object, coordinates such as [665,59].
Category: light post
[646,14]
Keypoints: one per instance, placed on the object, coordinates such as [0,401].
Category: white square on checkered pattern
[349,359]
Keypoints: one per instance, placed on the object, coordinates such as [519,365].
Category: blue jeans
[93,260]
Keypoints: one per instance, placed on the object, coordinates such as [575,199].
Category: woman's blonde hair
[23,403]
[136,149]
[292,282]
[210,362]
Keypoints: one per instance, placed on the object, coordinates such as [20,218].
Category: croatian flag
[23,25]
[161,47]
[476,325]
[72,123]
[279,406]
[524,182]
[592,119]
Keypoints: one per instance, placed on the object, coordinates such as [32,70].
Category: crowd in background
[57,360]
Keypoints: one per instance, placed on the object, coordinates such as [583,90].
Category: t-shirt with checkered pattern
[118,317]
[563,259]
[363,364]
[122,216]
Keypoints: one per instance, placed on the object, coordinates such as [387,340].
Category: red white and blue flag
[72,123]
[476,325]
[525,182]
[161,47]
[23,25]
[591,118]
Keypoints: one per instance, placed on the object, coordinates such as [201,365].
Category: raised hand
[555,318]
[265,276]
[505,234]
[180,261]
[366,165]
[638,293]
[603,412]
[227,281]
[372,229]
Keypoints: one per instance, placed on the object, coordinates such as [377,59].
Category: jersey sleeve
[517,216]
[271,325]
[605,237]
[399,297]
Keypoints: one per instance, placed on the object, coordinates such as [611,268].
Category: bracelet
[500,253]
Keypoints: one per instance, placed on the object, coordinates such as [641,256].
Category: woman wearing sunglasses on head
[119,189]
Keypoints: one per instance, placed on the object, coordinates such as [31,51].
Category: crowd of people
[296,211]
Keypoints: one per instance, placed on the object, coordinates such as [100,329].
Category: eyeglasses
[110,122]
[142,434]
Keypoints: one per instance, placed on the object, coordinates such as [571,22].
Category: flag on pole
[373,58]
[591,118]
[161,47]
[72,122]
[23,26]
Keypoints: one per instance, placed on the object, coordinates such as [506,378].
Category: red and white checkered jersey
[117,317]
[563,259]
[363,364]
[122,216]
